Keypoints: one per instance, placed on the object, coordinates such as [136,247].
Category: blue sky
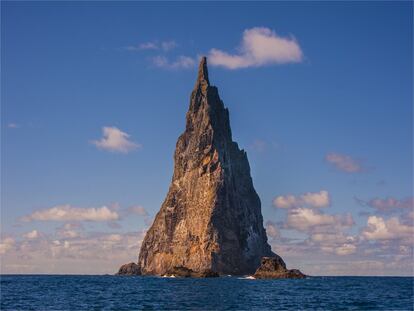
[335,119]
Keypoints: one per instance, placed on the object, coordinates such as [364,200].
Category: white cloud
[332,238]
[31,235]
[285,201]
[344,162]
[6,245]
[115,140]
[148,46]
[137,209]
[260,46]
[380,229]
[168,45]
[335,242]
[309,199]
[69,230]
[70,213]
[306,219]
[153,45]
[345,249]
[271,229]
[316,199]
[182,62]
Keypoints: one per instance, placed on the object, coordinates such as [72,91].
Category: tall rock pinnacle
[202,77]
[211,219]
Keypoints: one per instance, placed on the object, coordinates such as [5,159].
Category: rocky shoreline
[270,268]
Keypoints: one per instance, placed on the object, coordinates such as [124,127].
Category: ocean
[80,292]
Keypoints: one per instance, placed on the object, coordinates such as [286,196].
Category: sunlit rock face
[211,218]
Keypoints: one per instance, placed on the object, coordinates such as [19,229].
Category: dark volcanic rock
[211,219]
[188,273]
[275,268]
[129,269]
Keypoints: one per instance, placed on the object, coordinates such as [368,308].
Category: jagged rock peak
[202,77]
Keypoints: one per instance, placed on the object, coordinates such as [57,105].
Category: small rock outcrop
[275,268]
[184,272]
[129,269]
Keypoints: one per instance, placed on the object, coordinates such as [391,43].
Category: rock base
[129,269]
[275,268]
[184,272]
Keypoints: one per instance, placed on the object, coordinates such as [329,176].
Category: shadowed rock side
[129,269]
[275,268]
[211,218]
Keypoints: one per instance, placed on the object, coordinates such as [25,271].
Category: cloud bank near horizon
[70,213]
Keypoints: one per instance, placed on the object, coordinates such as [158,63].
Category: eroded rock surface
[211,219]
[275,268]
[129,269]
[184,272]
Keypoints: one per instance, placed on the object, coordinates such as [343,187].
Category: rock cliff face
[211,218]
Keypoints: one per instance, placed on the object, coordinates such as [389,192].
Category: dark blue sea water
[64,292]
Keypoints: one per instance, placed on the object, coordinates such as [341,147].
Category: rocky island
[210,223]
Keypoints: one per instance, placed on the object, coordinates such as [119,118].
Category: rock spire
[211,218]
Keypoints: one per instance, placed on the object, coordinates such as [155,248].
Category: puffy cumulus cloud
[182,62]
[285,201]
[344,162]
[304,219]
[153,45]
[115,140]
[271,229]
[260,47]
[34,234]
[70,213]
[317,199]
[6,244]
[309,220]
[138,210]
[310,199]
[379,229]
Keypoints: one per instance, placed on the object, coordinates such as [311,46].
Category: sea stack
[210,222]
